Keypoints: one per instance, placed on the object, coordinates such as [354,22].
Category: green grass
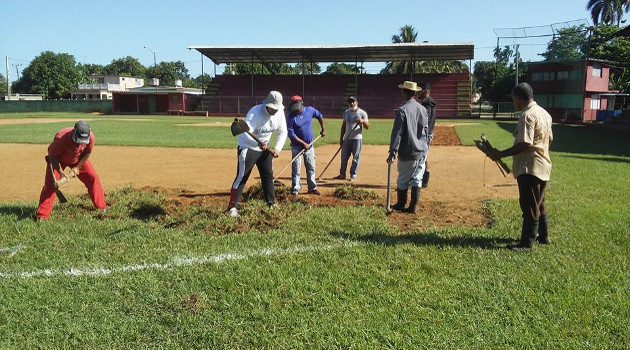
[332,277]
[161,131]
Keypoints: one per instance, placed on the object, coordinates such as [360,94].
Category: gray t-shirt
[350,118]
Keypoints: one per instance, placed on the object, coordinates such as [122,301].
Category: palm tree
[608,11]
[408,34]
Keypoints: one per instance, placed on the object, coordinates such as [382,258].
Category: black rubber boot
[425,179]
[415,197]
[402,200]
[528,236]
[543,230]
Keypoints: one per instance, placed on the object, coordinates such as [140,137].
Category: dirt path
[460,178]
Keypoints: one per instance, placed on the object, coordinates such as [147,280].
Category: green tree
[495,79]
[616,51]
[127,66]
[258,69]
[439,66]
[307,68]
[3,85]
[50,74]
[342,68]
[608,11]
[203,80]
[168,72]
[504,56]
[570,43]
[89,69]
[407,34]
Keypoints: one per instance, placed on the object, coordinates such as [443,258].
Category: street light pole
[154,67]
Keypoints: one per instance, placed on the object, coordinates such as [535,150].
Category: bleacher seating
[378,94]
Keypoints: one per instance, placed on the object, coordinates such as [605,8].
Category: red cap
[296,98]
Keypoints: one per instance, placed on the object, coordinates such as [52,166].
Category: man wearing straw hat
[409,144]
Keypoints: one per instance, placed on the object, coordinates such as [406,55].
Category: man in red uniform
[70,148]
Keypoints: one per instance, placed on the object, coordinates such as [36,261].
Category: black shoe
[402,200]
[415,197]
[543,230]
[518,247]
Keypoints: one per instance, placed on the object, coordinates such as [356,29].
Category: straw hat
[410,85]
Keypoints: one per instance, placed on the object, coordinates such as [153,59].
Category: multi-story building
[573,90]
[101,87]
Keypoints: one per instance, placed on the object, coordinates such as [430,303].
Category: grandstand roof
[337,53]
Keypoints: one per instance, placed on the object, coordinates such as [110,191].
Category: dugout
[155,100]
[377,93]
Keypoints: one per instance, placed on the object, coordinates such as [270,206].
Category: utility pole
[516,64]
[154,68]
[8,80]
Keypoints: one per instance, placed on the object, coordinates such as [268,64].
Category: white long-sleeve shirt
[262,124]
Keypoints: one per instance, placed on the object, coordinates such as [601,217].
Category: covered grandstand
[378,93]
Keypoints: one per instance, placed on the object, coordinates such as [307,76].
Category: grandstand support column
[303,69]
[202,78]
[251,72]
[356,75]
[470,77]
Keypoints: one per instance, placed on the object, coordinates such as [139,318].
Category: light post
[154,67]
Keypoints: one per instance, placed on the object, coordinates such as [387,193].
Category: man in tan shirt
[531,165]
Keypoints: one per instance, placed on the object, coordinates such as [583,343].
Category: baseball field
[165,268]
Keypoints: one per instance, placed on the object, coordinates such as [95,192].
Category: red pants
[87,175]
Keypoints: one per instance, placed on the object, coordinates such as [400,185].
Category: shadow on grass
[21,211]
[603,159]
[582,139]
[432,239]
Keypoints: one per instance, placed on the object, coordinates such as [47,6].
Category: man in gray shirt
[351,137]
[409,143]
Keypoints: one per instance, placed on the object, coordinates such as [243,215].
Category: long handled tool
[240,126]
[338,150]
[296,157]
[60,195]
[388,206]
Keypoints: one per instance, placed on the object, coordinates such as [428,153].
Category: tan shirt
[534,128]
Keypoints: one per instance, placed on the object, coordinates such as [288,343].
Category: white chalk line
[178,261]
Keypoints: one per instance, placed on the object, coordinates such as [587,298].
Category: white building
[102,86]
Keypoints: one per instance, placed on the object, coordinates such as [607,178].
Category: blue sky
[99,32]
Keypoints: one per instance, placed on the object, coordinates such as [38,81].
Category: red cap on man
[296,103]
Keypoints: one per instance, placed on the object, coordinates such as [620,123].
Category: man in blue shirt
[300,132]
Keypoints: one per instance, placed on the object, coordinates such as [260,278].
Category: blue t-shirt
[301,124]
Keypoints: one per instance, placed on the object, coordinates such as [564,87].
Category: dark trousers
[531,197]
[247,158]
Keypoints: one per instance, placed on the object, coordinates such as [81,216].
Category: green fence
[78,106]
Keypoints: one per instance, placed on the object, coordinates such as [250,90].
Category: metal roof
[623,32]
[332,53]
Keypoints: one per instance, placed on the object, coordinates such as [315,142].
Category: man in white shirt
[263,120]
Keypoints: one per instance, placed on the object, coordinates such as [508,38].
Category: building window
[563,75]
[548,76]
[597,70]
[596,102]
[537,76]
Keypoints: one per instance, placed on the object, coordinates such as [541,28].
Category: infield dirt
[460,177]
